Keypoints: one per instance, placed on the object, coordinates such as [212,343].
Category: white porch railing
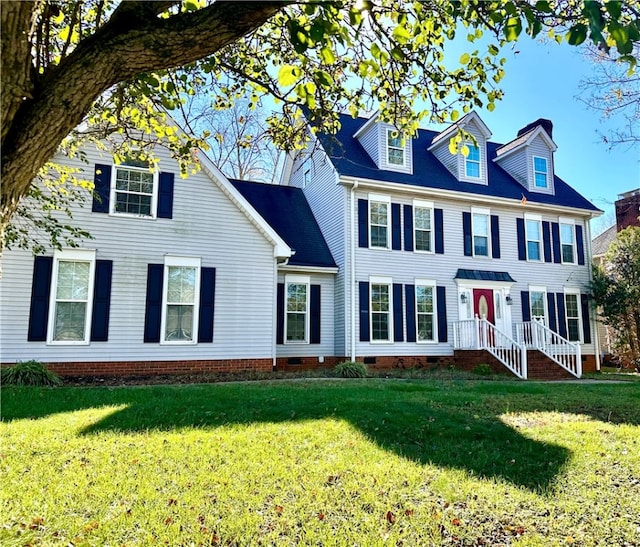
[481,334]
[535,335]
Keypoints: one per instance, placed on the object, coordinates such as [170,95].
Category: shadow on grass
[447,425]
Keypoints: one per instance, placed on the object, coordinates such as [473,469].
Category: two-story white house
[441,254]
[377,248]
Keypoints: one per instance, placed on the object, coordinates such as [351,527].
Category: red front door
[483,304]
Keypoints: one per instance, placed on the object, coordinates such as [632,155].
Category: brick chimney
[628,209]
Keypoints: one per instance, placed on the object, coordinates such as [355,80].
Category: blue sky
[542,81]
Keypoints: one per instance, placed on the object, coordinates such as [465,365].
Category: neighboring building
[374,248]
[627,214]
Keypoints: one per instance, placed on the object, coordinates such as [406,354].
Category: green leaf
[614,8]
[464,58]
[288,75]
[544,6]
[512,29]
[401,34]
[577,34]
[327,56]
[324,78]
[454,115]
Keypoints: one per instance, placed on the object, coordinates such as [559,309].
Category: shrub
[29,373]
[483,370]
[351,369]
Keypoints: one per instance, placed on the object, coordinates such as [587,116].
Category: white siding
[205,224]
[538,147]
[327,321]
[404,267]
[516,165]
[382,147]
[370,142]
[473,129]
[446,158]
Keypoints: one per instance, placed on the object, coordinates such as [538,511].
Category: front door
[483,304]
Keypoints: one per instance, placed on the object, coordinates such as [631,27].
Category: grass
[322,462]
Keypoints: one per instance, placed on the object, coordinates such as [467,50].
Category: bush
[351,369]
[29,373]
[483,370]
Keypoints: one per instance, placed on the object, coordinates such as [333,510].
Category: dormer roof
[527,135]
[471,117]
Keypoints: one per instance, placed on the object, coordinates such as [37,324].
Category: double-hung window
[379,213]
[472,162]
[395,148]
[574,320]
[425,310]
[381,307]
[70,309]
[134,189]
[480,231]
[297,315]
[567,242]
[180,305]
[306,172]
[538,304]
[423,226]
[540,172]
[534,238]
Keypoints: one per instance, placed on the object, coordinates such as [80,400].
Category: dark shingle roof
[482,275]
[350,159]
[286,210]
[600,244]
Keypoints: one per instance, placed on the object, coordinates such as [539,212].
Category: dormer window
[472,162]
[395,148]
[540,171]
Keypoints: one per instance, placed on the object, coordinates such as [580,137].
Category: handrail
[537,335]
[481,334]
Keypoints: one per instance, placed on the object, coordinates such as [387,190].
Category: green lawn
[322,462]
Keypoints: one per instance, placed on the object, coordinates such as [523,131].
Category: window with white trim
[380,306]
[480,232]
[567,242]
[306,172]
[395,148]
[71,302]
[472,162]
[297,315]
[573,315]
[379,223]
[180,298]
[540,171]
[533,228]
[538,304]
[425,311]
[423,226]
[134,189]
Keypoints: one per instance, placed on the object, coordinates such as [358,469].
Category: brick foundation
[588,363]
[407,361]
[307,363]
[152,368]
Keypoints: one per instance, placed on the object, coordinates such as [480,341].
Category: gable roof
[461,123]
[524,139]
[351,160]
[601,243]
[287,211]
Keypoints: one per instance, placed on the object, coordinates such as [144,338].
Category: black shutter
[396,227]
[580,245]
[586,324]
[555,237]
[101,188]
[526,310]
[546,241]
[101,301]
[442,314]
[562,316]
[398,320]
[408,228]
[466,233]
[153,311]
[495,237]
[410,303]
[207,305]
[314,319]
[40,291]
[165,195]
[439,227]
[363,223]
[364,311]
[522,245]
[551,305]
[280,315]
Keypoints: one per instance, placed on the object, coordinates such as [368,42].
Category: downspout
[274,324]
[352,269]
[594,320]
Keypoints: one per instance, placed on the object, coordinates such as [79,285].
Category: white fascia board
[537,131]
[460,124]
[482,284]
[281,249]
[366,125]
[308,269]
[421,192]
